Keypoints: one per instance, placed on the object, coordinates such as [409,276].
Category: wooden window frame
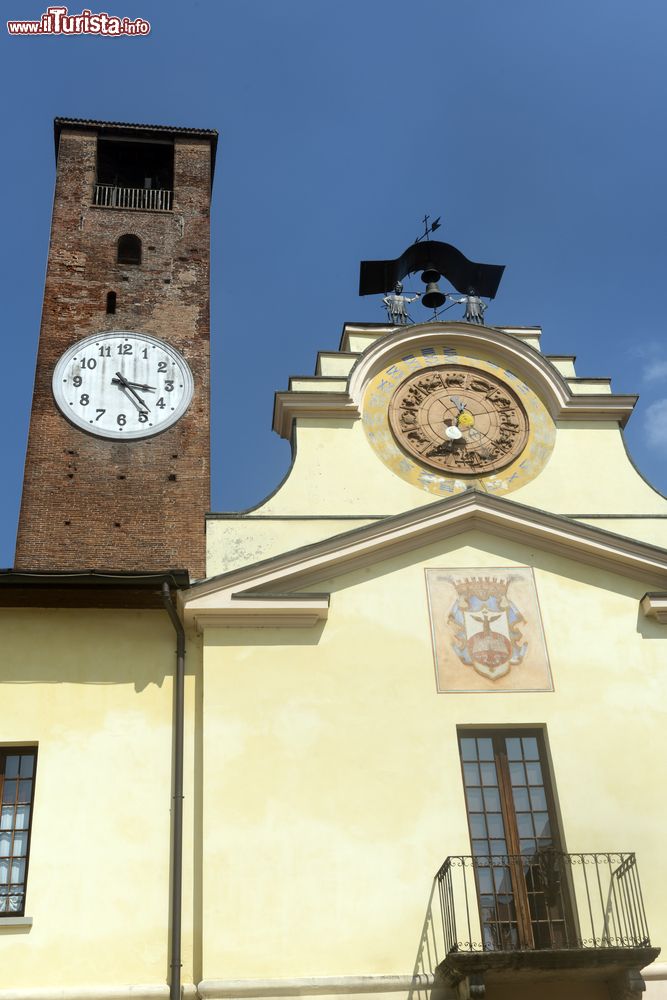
[13,751]
[498,735]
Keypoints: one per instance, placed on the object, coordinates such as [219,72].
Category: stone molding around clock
[518,355]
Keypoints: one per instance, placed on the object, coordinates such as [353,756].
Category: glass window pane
[468,748]
[485,748]
[5,844]
[471,774]
[498,847]
[538,799]
[527,846]
[15,904]
[9,791]
[517,774]
[502,878]
[12,766]
[521,801]
[25,791]
[534,772]
[22,820]
[27,765]
[524,823]
[4,872]
[480,847]
[3,903]
[542,827]
[492,800]
[20,846]
[477,825]
[513,746]
[530,751]
[474,797]
[17,871]
[484,880]
[488,772]
[7,818]
[495,825]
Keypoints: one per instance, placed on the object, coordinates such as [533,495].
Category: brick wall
[92,502]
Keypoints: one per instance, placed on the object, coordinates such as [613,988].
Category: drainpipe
[177,799]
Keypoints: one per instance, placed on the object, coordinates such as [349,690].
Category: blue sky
[536,131]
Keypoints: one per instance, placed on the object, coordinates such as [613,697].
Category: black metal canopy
[377,276]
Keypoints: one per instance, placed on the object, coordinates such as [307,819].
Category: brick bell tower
[117,466]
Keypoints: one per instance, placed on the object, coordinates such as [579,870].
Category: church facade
[396,731]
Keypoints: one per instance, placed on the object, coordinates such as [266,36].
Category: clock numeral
[169,386]
[143,417]
[121,419]
[88,363]
[104,352]
[161,403]
[77,381]
[162,367]
[125,348]
[145,354]
[85,399]
[100,413]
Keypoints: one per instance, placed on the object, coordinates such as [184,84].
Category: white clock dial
[122,385]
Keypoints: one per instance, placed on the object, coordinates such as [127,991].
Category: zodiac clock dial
[122,385]
[459,420]
[444,421]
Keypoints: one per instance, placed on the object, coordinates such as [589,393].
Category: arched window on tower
[111,303]
[129,249]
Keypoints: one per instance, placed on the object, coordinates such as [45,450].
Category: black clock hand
[135,385]
[126,385]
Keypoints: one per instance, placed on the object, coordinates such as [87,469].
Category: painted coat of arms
[486,625]
[487,630]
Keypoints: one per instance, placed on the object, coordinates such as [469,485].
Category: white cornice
[221,597]
[224,609]
[290,405]
[522,359]
[655,606]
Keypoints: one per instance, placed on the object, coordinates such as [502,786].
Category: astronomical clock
[447,421]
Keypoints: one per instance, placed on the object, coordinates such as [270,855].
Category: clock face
[122,385]
[459,420]
[444,420]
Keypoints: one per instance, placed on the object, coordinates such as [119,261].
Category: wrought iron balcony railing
[146,199]
[549,900]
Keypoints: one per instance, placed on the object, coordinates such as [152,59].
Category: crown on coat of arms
[482,587]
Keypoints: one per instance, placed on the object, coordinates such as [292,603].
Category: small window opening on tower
[111,303]
[129,249]
[134,174]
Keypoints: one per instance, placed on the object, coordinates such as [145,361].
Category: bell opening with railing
[134,175]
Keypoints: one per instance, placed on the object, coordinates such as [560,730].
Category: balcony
[137,199]
[550,915]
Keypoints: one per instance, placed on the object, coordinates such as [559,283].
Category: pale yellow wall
[332,785]
[94,690]
[239,542]
[335,471]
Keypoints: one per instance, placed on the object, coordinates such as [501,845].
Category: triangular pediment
[282,590]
